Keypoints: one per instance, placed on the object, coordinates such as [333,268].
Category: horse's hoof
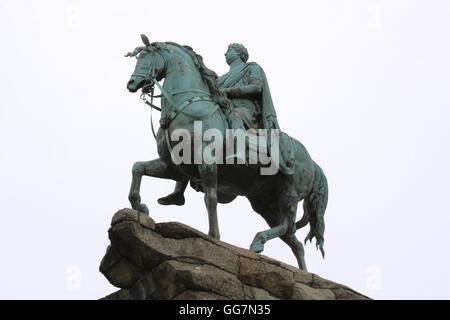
[143,208]
[214,235]
[257,247]
[172,199]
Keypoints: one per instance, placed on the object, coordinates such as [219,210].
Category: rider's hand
[225,90]
[271,123]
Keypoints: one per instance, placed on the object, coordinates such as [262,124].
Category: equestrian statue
[195,100]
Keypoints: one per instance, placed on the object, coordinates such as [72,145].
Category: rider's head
[241,50]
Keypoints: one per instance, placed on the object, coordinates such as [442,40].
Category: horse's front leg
[154,168]
[208,175]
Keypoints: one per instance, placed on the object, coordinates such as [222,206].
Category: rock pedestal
[149,260]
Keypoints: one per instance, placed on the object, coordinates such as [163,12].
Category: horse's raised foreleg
[154,168]
[208,175]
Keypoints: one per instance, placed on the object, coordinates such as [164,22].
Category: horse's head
[150,65]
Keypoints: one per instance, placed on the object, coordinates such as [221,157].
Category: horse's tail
[314,206]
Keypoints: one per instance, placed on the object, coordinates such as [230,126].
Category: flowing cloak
[252,73]
[245,75]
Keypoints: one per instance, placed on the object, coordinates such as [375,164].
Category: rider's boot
[177,196]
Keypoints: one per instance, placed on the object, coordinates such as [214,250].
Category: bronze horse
[274,197]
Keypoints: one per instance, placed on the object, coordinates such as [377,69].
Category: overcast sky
[363,84]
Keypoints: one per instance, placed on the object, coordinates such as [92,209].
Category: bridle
[149,87]
[148,90]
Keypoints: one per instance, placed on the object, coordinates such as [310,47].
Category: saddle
[286,153]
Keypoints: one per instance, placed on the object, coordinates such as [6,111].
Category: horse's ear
[145,39]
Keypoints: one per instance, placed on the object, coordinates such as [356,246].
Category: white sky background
[363,84]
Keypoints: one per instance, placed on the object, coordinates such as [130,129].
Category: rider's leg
[235,123]
[177,196]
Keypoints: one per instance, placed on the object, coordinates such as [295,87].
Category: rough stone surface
[117,269]
[133,215]
[304,292]
[149,260]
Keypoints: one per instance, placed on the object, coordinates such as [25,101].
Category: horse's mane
[208,75]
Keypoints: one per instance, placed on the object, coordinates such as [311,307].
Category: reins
[150,103]
[149,90]
[165,122]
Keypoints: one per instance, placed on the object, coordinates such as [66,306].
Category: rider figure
[247,88]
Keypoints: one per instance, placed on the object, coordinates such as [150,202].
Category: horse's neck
[183,76]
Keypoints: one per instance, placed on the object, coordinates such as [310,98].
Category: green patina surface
[239,99]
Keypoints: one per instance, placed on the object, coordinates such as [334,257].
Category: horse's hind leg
[262,237]
[297,249]
[154,168]
[290,205]
[284,216]
[208,175]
